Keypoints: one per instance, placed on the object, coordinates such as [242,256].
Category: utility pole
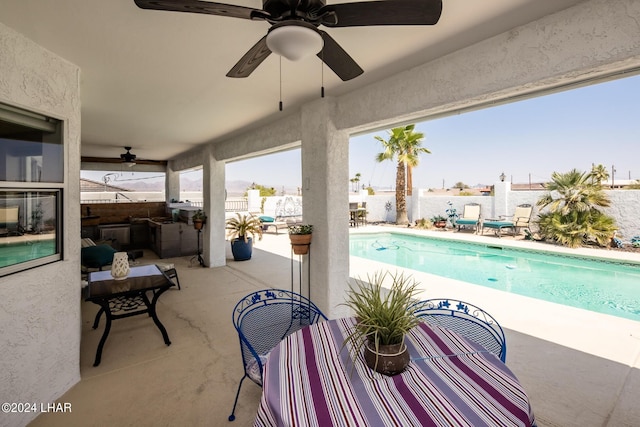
[613,173]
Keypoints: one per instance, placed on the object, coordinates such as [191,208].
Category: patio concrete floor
[579,368]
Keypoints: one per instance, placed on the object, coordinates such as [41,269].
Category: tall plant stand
[198,256]
[300,275]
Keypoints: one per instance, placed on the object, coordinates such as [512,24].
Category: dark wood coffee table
[119,299]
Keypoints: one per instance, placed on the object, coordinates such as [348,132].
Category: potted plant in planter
[439,221]
[384,317]
[300,236]
[241,230]
[198,218]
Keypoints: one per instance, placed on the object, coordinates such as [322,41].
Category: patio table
[119,299]
[310,380]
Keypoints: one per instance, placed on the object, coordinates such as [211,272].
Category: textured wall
[40,308]
[624,207]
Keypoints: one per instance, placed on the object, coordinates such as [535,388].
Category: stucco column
[213,241]
[325,203]
[501,191]
[171,183]
[253,201]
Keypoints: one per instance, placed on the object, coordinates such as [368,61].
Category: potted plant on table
[241,230]
[198,218]
[300,236]
[384,317]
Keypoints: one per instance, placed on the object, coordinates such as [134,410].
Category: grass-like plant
[384,316]
[242,226]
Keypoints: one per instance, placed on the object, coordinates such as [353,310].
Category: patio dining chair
[466,320]
[264,318]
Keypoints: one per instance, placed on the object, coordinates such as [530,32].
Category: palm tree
[599,173]
[574,217]
[404,144]
[354,182]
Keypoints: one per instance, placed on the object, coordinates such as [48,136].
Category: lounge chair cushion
[463,221]
[97,256]
[498,224]
[266,219]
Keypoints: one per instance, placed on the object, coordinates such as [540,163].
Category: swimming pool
[605,286]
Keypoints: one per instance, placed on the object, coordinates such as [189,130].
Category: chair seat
[466,221]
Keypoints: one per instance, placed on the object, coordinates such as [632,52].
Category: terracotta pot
[390,359]
[440,224]
[300,243]
[197,224]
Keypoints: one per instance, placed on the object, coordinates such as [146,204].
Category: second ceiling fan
[294,28]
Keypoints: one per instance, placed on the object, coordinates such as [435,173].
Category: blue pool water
[602,286]
[17,252]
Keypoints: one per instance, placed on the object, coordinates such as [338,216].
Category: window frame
[54,126]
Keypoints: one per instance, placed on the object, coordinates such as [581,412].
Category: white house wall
[40,308]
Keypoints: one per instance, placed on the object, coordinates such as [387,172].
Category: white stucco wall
[624,207]
[40,308]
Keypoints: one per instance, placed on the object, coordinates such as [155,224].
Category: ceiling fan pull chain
[280,104]
[322,73]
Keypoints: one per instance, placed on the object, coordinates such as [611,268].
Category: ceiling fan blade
[196,6]
[250,61]
[389,12]
[337,59]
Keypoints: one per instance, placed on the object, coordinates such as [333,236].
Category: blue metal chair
[264,318]
[467,320]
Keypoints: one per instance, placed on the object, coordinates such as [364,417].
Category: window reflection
[28,226]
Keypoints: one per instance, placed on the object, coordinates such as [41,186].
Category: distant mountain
[234,188]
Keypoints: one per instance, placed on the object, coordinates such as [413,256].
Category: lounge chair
[521,218]
[9,225]
[271,222]
[470,216]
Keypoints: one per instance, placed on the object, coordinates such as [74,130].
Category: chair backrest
[522,215]
[467,320]
[9,216]
[263,318]
[471,211]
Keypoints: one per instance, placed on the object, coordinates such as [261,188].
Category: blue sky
[526,140]
[571,129]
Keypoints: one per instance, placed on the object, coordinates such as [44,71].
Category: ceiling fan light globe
[294,42]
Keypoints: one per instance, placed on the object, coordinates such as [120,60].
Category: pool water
[605,287]
[18,252]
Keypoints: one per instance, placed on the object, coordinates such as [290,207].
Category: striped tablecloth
[310,380]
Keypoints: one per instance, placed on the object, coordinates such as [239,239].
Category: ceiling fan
[128,158]
[294,29]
